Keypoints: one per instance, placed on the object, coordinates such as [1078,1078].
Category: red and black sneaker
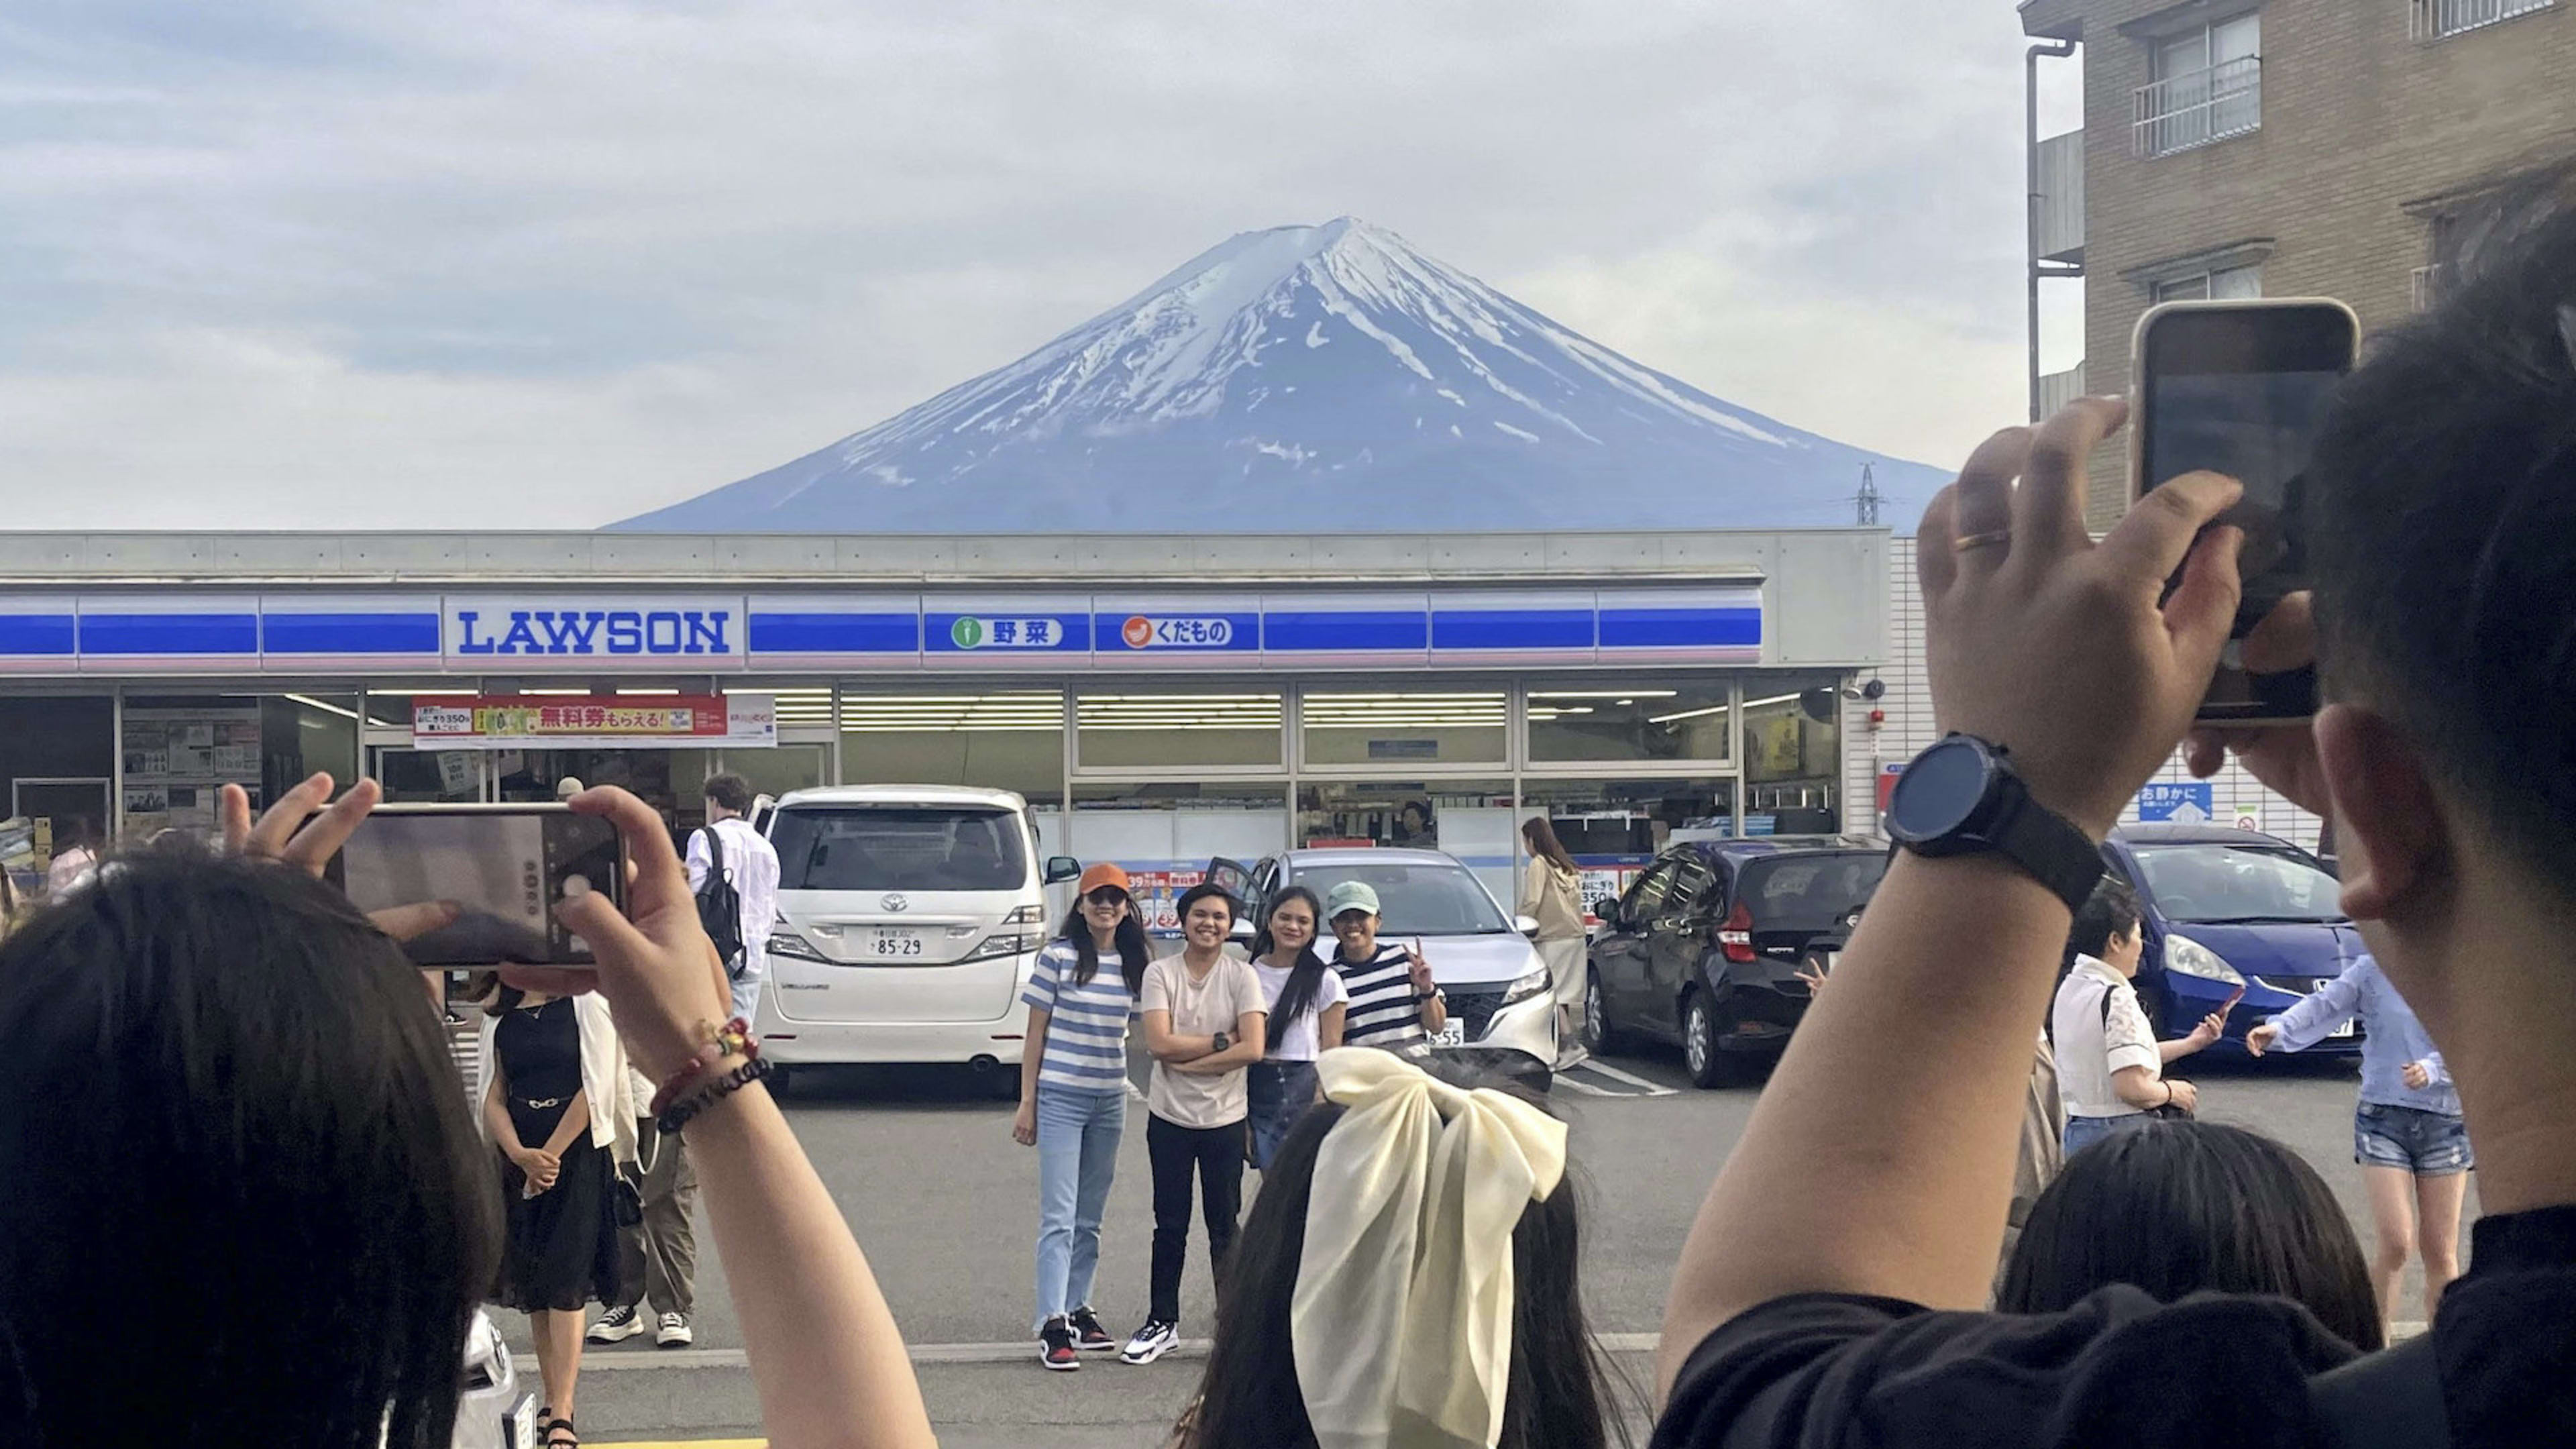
[1056,1349]
[1088,1334]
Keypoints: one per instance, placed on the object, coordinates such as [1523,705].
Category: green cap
[1350,895]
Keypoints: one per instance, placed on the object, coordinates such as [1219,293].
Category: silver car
[1502,1011]
[493,1412]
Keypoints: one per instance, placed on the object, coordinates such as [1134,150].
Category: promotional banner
[679,721]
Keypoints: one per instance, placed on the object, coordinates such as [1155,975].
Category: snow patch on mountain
[1144,417]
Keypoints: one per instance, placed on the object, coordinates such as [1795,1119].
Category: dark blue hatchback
[2229,907]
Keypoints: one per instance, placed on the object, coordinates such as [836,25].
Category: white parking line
[1568,1080]
[1653,1088]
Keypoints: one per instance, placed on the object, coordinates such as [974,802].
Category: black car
[1703,948]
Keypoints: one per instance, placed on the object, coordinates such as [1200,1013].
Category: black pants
[1215,1155]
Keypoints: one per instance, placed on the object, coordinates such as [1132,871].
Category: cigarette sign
[500,722]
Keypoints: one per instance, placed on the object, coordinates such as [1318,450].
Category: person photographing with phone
[1393,1000]
[2111,1067]
[2407,1133]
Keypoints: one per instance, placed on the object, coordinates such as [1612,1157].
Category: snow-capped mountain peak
[1365,377]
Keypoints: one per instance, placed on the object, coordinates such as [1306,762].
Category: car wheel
[1596,1033]
[1708,1065]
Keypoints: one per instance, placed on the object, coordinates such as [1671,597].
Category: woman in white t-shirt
[1307,1001]
[2110,1067]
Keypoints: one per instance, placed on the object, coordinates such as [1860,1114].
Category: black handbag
[625,1201]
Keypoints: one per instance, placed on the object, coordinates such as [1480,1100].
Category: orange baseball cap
[1106,873]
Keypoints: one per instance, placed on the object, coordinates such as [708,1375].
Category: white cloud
[285,264]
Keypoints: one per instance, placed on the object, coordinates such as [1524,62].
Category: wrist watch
[1221,1042]
[1962,797]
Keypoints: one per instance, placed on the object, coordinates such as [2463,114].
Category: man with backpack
[1868,1190]
[735,874]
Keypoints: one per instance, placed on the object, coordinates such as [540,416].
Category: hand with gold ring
[2056,647]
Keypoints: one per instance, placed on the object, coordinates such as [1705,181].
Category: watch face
[1939,791]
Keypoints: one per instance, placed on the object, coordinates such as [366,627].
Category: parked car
[909,917]
[2227,907]
[1703,948]
[1502,1015]
[493,1411]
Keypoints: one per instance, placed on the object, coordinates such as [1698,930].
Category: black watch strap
[2044,843]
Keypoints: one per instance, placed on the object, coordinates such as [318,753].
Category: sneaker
[617,1325]
[1151,1341]
[673,1331]
[1056,1349]
[1088,1335]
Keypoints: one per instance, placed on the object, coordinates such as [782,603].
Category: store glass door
[428,776]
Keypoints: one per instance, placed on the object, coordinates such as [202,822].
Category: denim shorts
[2427,1144]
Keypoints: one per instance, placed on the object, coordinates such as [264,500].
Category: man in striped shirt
[1393,1000]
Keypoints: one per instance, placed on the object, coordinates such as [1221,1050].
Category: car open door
[1231,876]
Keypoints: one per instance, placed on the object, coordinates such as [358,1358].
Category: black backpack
[720,905]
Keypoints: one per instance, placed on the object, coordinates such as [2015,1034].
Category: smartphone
[2241,388]
[2233,997]
[505,865]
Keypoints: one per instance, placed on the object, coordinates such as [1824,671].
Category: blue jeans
[1078,1136]
[2083,1132]
[2410,1139]
[1279,1093]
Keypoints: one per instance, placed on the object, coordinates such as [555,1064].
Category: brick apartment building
[2281,148]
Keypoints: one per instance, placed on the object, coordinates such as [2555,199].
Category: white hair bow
[1402,1317]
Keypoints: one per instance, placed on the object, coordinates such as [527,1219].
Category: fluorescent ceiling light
[582,692]
[1622,695]
[325,707]
[1689,714]
[648,691]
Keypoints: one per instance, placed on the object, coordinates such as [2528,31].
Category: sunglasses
[1106,896]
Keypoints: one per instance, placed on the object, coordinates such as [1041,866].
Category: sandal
[559,1434]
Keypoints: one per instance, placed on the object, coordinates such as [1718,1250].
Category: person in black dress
[562,1248]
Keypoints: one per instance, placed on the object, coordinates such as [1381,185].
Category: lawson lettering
[596,631]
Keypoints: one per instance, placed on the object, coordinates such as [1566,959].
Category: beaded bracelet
[732,1039]
[713,1092]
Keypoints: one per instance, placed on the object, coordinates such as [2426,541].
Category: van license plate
[1452,1035]
[894,944]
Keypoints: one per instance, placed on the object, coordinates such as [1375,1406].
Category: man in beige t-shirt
[1205,1021]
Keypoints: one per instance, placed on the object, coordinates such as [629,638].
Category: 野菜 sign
[502,722]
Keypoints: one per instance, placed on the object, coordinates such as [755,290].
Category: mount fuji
[1313,378]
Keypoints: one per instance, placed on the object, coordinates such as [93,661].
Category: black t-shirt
[2119,1369]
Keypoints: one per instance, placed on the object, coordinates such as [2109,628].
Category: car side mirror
[1608,914]
[1243,931]
[1062,868]
[1526,925]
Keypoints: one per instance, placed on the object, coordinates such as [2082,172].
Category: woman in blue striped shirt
[1073,1100]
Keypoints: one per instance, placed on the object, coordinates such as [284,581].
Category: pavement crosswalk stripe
[1631,1078]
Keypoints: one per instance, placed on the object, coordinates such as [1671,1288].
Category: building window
[2208,86]
[1576,719]
[1001,739]
[2437,18]
[1394,728]
[2223,284]
[1792,754]
[1145,728]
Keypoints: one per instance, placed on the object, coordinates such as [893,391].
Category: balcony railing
[2198,107]
[2437,18]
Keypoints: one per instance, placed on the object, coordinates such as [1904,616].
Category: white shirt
[1300,1040]
[755,879]
[2092,1044]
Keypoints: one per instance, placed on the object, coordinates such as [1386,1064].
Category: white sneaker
[617,1325]
[673,1332]
[1151,1341]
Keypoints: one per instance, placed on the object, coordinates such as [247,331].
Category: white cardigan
[604,1077]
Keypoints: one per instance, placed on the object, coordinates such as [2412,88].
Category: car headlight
[1533,983]
[2191,958]
[790,943]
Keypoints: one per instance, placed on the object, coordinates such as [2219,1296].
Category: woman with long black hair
[1073,1100]
[1307,1002]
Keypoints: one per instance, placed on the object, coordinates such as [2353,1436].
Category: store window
[57,772]
[1391,727]
[1165,834]
[180,750]
[1580,719]
[1613,828]
[1792,754]
[407,774]
[1145,728]
[997,739]
[1470,819]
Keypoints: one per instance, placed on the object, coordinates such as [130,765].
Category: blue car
[2228,908]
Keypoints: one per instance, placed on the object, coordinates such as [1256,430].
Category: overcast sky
[491,264]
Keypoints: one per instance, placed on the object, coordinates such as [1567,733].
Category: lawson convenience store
[1158,700]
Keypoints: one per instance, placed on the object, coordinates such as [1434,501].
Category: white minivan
[908,919]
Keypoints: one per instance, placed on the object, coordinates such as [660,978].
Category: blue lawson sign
[2182,802]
